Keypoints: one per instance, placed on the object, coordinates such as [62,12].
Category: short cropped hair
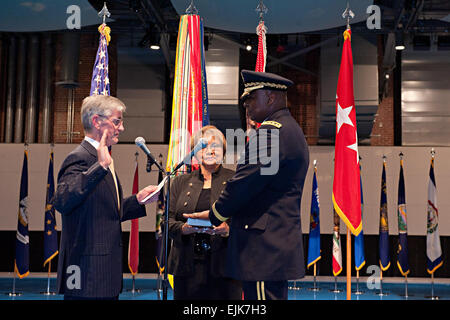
[209,131]
[100,105]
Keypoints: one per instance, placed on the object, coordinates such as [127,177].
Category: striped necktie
[111,168]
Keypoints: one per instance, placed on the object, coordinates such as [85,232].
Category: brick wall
[302,102]
[302,96]
[383,125]
[88,51]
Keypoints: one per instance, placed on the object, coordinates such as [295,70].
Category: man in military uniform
[265,247]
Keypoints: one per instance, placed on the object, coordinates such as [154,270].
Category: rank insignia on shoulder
[272,123]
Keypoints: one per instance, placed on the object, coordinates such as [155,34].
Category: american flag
[100,79]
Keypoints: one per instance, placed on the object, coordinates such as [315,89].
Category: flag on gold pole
[314,224]
[402,250]
[22,260]
[100,80]
[190,95]
[434,251]
[133,247]
[383,242]
[50,232]
[337,253]
[261,57]
[346,182]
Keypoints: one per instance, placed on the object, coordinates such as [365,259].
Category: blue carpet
[31,288]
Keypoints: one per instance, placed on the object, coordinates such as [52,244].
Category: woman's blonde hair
[209,131]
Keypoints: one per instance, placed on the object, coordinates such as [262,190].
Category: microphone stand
[165,223]
[165,280]
[140,142]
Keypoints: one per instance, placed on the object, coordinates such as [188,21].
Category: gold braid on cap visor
[251,86]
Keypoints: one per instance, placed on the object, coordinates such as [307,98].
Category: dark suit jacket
[185,192]
[266,237]
[91,239]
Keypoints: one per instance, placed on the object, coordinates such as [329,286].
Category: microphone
[140,142]
[202,143]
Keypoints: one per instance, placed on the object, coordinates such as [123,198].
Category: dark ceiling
[139,18]
[136,18]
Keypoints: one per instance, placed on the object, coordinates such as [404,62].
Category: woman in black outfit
[197,257]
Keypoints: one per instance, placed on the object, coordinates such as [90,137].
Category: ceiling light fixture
[399,44]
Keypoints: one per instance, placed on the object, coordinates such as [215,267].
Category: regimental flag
[360,260]
[261,59]
[337,253]
[402,250]
[159,256]
[133,247]
[383,244]
[434,252]
[22,261]
[314,224]
[100,80]
[261,31]
[190,95]
[346,182]
[50,232]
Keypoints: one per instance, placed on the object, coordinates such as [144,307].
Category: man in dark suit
[89,198]
[265,247]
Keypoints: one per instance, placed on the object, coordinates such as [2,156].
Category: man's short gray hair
[101,105]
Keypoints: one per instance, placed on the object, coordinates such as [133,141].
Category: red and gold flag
[346,183]
[190,95]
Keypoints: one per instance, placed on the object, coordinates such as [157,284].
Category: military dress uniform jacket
[184,194]
[265,233]
[91,236]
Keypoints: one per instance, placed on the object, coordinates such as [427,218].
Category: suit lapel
[112,187]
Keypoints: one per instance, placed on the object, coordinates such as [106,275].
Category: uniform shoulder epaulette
[272,123]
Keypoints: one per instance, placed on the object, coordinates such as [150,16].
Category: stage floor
[418,288]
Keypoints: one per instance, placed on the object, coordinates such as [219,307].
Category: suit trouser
[265,290]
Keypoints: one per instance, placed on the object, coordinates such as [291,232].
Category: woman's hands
[223,229]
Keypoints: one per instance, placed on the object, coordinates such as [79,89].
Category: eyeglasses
[115,121]
[214,146]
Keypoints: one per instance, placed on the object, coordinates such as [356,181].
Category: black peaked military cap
[258,80]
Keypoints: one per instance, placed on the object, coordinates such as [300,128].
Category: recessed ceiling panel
[44,15]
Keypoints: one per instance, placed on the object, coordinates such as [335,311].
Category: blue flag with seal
[314,224]
[50,233]
[434,251]
[402,250]
[383,244]
[22,261]
[360,260]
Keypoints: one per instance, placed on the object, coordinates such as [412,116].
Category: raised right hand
[104,158]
